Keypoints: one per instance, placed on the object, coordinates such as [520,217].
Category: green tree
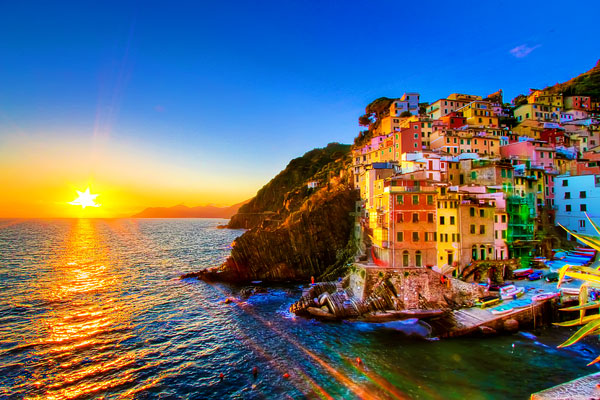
[364,120]
[520,100]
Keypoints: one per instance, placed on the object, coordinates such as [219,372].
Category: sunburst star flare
[85,199]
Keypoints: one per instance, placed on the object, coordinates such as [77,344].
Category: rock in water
[511,325]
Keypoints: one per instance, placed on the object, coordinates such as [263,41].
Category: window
[582,223]
[503,218]
[472,229]
[495,234]
[472,212]
[442,220]
[429,199]
[567,195]
[481,229]
[399,217]
[430,218]
[415,199]
[582,207]
[568,208]
[418,259]
[400,199]
[451,220]
[405,258]
[582,195]
[415,217]
[415,237]
[400,236]
[565,182]
[504,234]
[481,213]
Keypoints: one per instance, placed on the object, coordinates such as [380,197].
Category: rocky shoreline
[379,295]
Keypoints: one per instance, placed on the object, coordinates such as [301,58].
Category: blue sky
[239,88]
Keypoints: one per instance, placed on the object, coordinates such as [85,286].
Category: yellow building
[480,113]
[537,112]
[464,97]
[389,124]
[545,98]
[529,128]
[455,101]
[378,211]
[448,228]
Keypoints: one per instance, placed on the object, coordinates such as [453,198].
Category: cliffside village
[467,179]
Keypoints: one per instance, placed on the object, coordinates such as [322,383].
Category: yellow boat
[488,301]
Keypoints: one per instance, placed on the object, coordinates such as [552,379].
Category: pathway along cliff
[295,232]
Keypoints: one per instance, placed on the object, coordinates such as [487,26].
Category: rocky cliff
[295,232]
[287,191]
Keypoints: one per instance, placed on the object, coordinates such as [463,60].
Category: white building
[408,102]
[573,197]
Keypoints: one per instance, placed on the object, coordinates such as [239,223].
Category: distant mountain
[181,211]
[586,84]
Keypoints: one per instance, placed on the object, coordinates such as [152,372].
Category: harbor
[587,387]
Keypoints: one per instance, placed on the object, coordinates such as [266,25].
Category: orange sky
[39,175]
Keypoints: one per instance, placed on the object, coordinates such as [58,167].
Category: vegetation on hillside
[280,195]
[586,84]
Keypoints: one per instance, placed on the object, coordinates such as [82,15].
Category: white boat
[571,291]
[517,292]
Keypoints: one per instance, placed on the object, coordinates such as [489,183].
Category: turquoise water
[95,308]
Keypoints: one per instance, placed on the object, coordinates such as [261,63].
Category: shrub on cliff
[276,196]
[586,84]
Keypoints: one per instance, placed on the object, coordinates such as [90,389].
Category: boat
[545,296]
[551,277]
[571,291]
[535,276]
[521,303]
[488,301]
[511,293]
[504,309]
[522,272]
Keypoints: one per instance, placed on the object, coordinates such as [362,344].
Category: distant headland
[181,211]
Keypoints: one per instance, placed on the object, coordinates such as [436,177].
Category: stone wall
[414,288]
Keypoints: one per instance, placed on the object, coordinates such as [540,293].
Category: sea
[95,308]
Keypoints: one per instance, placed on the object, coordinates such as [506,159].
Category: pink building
[535,151]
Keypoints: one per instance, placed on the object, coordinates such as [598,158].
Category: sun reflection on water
[77,342]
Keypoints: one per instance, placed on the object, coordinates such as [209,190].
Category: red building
[555,137]
[454,120]
[408,139]
[578,103]
[414,225]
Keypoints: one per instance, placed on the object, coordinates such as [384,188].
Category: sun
[85,199]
